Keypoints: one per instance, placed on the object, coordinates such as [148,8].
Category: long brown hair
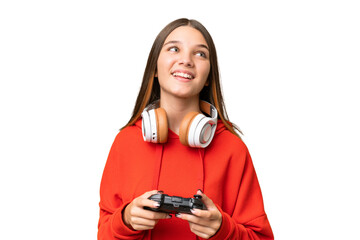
[150,88]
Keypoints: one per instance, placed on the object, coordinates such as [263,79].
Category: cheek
[164,64]
[206,71]
[163,70]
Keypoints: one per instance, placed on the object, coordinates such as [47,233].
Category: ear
[156,75]
[207,83]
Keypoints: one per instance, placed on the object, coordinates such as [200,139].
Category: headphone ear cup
[185,126]
[161,125]
[145,126]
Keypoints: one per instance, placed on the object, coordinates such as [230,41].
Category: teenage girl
[179,140]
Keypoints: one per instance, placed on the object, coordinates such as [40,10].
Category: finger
[149,193]
[193,219]
[204,235]
[139,221]
[201,213]
[199,230]
[155,215]
[211,220]
[209,215]
[145,221]
[143,213]
[144,202]
[141,227]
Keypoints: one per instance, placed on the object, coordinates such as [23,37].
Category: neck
[177,108]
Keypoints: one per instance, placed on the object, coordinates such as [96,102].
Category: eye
[201,54]
[173,49]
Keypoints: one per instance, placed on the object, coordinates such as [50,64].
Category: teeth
[184,75]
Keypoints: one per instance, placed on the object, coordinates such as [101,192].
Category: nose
[186,60]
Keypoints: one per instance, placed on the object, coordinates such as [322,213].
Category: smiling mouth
[183,75]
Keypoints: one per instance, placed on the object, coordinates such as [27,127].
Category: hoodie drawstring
[159,155]
[201,177]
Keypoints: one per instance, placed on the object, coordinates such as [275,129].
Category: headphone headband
[205,107]
[153,105]
[209,109]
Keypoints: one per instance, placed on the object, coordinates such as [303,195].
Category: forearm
[112,227]
[258,228]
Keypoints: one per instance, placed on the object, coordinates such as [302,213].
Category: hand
[137,218]
[204,223]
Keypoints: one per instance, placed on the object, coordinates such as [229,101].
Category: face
[183,65]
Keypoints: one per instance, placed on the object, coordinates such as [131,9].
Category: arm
[111,226]
[248,220]
[121,219]
[131,220]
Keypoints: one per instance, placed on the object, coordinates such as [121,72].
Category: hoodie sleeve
[248,220]
[111,225]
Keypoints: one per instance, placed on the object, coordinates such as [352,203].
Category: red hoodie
[224,171]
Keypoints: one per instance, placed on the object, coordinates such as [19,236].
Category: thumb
[206,200]
[148,194]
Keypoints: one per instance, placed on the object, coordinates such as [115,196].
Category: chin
[184,94]
[180,92]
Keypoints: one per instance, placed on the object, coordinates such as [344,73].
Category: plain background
[70,72]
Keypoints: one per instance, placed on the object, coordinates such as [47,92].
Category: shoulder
[228,151]
[226,140]
[129,136]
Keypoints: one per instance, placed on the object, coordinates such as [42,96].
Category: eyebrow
[198,45]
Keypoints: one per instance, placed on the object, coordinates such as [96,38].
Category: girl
[179,140]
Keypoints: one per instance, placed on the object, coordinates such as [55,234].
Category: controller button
[198,196]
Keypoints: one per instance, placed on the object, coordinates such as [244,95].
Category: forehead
[186,35]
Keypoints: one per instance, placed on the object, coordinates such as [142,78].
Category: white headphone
[196,129]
